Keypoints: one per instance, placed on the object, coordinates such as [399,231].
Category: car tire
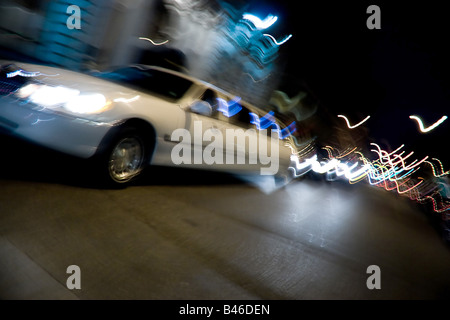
[125,157]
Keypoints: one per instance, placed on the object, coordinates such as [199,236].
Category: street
[181,234]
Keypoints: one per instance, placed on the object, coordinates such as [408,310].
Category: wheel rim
[126,159]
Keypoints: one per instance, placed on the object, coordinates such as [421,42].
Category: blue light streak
[258,23]
[268,121]
[22,73]
[229,108]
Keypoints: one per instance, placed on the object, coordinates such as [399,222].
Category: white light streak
[260,24]
[428,129]
[124,100]
[275,40]
[356,125]
[153,42]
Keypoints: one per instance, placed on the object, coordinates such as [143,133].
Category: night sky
[389,74]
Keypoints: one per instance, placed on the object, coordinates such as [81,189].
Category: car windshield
[150,80]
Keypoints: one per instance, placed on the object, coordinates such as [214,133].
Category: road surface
[181,234]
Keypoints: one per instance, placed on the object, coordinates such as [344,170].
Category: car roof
[193,79]
[170,71]
[205,84]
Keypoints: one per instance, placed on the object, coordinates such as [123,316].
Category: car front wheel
[126,160]
[125,157]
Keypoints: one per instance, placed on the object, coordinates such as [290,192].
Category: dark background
[389,74]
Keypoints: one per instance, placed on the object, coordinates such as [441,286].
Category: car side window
[150,80]
[263,122]
[242,118]
[231,110]
[210,97]
[205,104]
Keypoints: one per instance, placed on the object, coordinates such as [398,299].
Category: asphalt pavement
[182,234]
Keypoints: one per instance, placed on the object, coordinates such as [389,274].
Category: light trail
[276,41]
[429,128]
[387,171]
[153,42]
[356,125]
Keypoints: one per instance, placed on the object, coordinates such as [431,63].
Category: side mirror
[201,107]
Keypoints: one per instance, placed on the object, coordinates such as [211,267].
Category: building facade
[211,40]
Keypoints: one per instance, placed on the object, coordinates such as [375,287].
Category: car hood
[121,96]
[86,83]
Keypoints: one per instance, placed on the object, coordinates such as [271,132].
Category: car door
[242,137]
[207,131]
[274,148]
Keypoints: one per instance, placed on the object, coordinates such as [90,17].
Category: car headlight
[64,98]
[88,104]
